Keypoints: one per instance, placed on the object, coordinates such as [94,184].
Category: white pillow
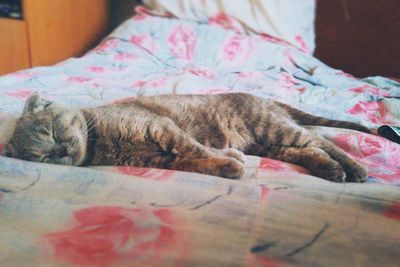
[289,20]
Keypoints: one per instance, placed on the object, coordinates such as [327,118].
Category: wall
[361,37]
[121,10]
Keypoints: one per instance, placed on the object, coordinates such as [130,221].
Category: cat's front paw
[230,168]
[234,153]
[356,173]
[330,170]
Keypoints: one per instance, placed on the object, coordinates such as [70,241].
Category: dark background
[361,37]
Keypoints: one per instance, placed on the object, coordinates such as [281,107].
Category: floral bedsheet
[277,215]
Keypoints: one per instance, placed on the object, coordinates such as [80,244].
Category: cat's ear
[35,103]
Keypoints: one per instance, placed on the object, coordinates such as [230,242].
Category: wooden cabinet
[51,31]
[14,47]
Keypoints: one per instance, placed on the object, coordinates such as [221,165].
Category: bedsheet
[276,215]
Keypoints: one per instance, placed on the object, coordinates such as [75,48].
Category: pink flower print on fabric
[225,21]
[151,83]
[256,260]
[141,13]
[95,69]
[274,40]
[380,155]
[145,41]
[26,74]
[125,57]
[106,45]
[116,236]
[202,72]
[147,173]
[373,111]
[302,44]
[22,93]
[276,165]
[78,79]
[287,82]
[393,212]
[368,89]
[182,42]
[237,49]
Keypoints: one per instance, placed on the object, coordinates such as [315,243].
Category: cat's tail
[304,118]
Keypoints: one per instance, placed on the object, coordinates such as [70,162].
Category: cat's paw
[234,153]
[330,170]
[230,168]
[356,173]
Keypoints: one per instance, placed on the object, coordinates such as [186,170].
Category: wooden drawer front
[59,29]
[14,51]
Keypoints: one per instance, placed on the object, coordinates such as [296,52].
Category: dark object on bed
[360,37]
[390,132]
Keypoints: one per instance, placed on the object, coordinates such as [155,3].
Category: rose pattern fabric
[276,165]
[182,42]
[373,111]
[103,236]
[248,16]
[380,155]
[145,172]
[226,21]
[145,41]
[237,49]
[23,93]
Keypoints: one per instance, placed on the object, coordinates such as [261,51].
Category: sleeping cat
[195,133]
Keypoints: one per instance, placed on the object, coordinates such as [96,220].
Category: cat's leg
[217,166]
[292,143]
[190,155]
[354,171]
[227,167]
[317,161]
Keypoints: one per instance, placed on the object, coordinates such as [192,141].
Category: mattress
[278,214]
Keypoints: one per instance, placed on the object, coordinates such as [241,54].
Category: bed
[276,215]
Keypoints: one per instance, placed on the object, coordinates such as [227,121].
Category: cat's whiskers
[90,129]
[74,143]
[91,123]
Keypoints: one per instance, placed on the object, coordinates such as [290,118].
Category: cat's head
[49,132]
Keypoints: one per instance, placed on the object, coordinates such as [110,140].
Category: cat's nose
[60,152]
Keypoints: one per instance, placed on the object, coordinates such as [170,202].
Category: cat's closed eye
[44,131]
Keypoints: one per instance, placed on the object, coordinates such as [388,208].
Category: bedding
[289,20]
[277,215]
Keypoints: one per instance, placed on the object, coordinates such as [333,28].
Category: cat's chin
[74,159]
[64,161]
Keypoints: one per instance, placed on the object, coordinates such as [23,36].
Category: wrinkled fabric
[276,215]
[289,20]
